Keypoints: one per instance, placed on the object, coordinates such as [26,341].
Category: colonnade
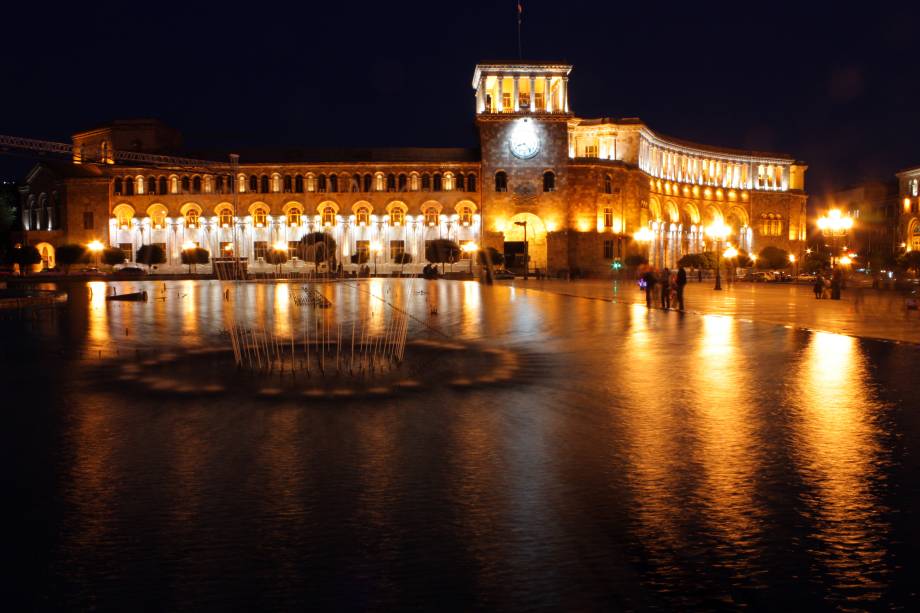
[677,164]
[671,241]
[555,90]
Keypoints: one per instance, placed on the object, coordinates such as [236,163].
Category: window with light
[260,217]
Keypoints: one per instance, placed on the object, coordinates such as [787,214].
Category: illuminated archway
[46,251]
[536,239]
[913,235]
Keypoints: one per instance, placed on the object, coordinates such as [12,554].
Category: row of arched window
[771,224]
[265,184]
[293,217]
[42,213]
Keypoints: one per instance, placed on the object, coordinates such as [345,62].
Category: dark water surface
[635,460]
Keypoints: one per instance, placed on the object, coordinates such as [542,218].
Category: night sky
[838,88]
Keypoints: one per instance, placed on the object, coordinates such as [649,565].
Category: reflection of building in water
[568,191]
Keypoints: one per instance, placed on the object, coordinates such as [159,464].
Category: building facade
[909,218]
[569,192]
[873,207]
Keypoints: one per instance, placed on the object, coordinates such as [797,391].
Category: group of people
[828,288]
[667,286]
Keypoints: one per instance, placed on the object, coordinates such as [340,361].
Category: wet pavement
[603,457]
[863,312]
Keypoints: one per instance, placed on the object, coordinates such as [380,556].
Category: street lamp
[835,225]
[643,236]
[718,231]
[471,248]
[526,248]
[792,261]
[375,248]
[95,247]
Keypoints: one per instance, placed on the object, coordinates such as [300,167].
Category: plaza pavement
[861,312]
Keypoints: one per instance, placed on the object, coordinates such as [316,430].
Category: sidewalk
[861,312]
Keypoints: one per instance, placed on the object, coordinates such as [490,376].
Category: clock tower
[523,112]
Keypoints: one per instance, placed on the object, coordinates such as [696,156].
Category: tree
[815,262]
[709,260]
[402,258]
[26,256]
[634,260]
[9,197]
[277,257]
[491,255]
[773,257]
[911,261]
[442,251]
[316,247]
[113,256]
[360,257]
[692,260]
[742,260]
[195,255]
[151,254]
[68,255]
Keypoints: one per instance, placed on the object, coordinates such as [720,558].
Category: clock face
[524,141]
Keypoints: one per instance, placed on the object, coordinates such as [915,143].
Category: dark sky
[836,87]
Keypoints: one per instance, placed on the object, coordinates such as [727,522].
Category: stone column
[565,94]
[480,96]
[500,99]
[531,96]
[515,94]
[547,96]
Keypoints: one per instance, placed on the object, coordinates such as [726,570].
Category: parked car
[90,270]
[761,276]
[806,277]
[130,271]
[502,273]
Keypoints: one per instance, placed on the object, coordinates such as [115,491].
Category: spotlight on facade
[188,245]
[280,246]
[95,246]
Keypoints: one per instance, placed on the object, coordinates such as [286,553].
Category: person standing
[818,286]
[680,283]
[666,289]
[650,281]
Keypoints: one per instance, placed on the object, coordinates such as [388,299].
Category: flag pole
[520,11]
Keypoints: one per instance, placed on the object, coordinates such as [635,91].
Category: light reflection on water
[714,458]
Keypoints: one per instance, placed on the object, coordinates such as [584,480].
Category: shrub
[151,254]
[491,255]
[692,260]
[194,256]
[634,260]
[403,258]
[68,255]
[316,247]
[276,257]
[113,256]
[360,257]
[26,256]
[910,261]
[442,251]
[773,257]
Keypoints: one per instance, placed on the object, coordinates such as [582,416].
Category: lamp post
[792,261]
[718,231]
[471,248]
[835,225]
[375,248]
[526,248]
[95,247]
[730,254]
[279,247]
[643,236]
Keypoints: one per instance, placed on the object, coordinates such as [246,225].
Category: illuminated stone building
[577,188]
[909,218]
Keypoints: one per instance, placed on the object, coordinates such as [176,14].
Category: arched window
[259,217]
[334,183]
[129,187]
[328,216]
[139,188]
[431,217]
[196,185]
[264,186]
[368,182]
[288,184]
[436,182]
[426,182]
[402,183]
[253,184]
[466,216]
[226,217]
[158,217]
[397,216]
[151,185]
[123,216]
[608,184]
[163,188]
[116,188]
[321,183]
[356,183]
[298,184]
[391,182]
[363,216]
[191,218]
[549,181]
[185,185]
[771,224]
[294,216]
[471,182]
[501,181]
[461,184]
[174,184]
